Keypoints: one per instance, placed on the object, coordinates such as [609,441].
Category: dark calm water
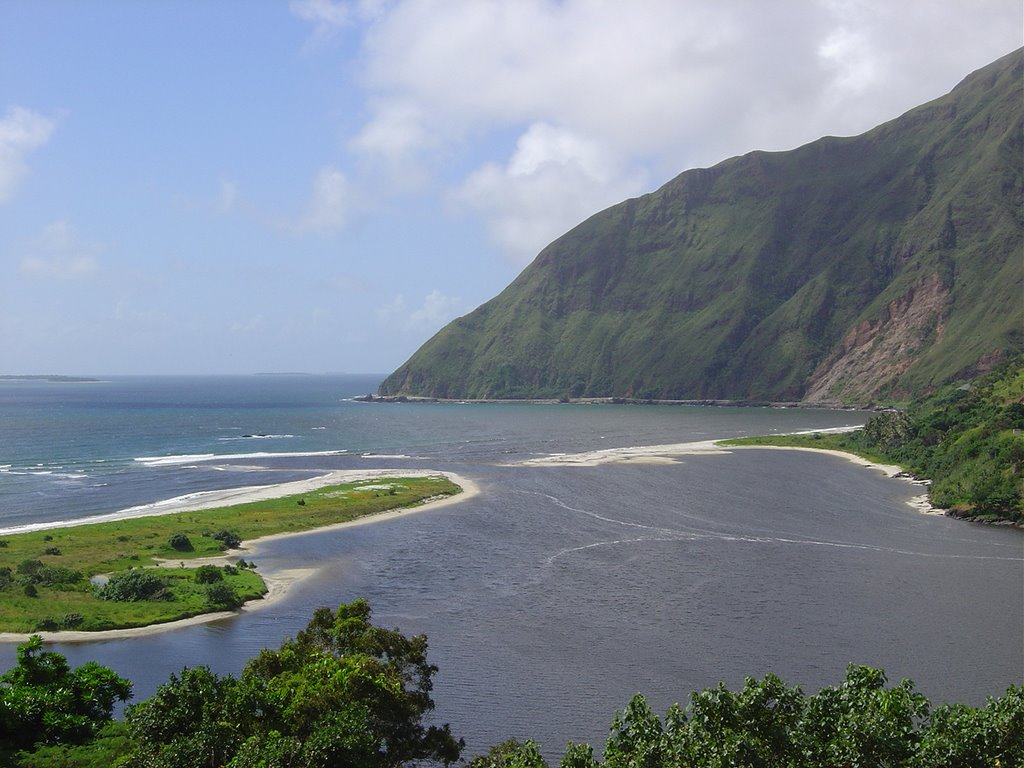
[557,593]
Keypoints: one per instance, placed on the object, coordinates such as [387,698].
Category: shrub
[31,591]
[52,551]
[220,595]
[132,585]
[180,542]
[228,539]
[71,620]
[208,574]
[36,572]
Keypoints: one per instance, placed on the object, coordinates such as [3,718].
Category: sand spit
[669,454]
[225,498]
[278,582]
[643,454]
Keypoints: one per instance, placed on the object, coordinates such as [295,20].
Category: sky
[242,186]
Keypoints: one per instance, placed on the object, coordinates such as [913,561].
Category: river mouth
[559,592]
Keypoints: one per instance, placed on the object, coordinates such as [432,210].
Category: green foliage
[208,574]
[36,572]
[860,722]
[112,743]
[740,280]
[108,548]
[511,754]
[222,597]
[229,539]
[133,584]
[966,439]
[343,692]
[179,542]
[44,701]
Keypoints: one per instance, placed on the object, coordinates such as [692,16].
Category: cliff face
[847,270]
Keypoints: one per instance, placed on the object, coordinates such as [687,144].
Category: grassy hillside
[851,269]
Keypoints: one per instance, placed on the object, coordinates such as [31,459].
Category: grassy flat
[841,441]
[101,549]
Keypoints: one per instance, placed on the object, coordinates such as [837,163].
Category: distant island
[48,377]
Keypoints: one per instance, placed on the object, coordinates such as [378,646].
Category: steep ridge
[848,270]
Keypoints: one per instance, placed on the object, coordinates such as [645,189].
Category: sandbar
[278,581]
[639,454]
[670,454]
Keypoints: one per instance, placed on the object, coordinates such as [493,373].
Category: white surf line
[196,458]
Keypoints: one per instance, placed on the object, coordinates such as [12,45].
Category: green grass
[106,548]
[830,442]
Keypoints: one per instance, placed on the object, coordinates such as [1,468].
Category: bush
[228,539]
[71,620]
[36,572]
[132,585]
[180,542]
[220,595]
[52,551]
[208,574]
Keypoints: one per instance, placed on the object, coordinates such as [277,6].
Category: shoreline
[278,582]
[200,500]
[670,454]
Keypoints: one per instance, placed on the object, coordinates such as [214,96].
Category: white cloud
[641,91]
[330,204]
[553,181]
[326,16]
[436,310]
[21,131]
[58,253]
[396,131]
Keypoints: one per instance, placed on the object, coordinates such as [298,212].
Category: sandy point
[279,581]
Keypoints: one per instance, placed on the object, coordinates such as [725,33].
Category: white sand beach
[278,582]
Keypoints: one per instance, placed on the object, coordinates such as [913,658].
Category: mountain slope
[849,269]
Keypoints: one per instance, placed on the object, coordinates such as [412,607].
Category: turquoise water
[557,593]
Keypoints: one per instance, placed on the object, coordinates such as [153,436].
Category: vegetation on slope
[345,692]
[46,576]
[851,269]
[968,440]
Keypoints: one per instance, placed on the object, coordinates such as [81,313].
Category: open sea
[559,592]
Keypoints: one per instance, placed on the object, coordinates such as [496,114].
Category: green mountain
[848,270]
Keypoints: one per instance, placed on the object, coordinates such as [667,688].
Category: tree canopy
[44,701]
[343,692]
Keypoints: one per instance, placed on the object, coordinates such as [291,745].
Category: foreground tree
[43,701]
[342,693]
[860,722]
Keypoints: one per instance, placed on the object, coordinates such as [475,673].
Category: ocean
[558,592]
